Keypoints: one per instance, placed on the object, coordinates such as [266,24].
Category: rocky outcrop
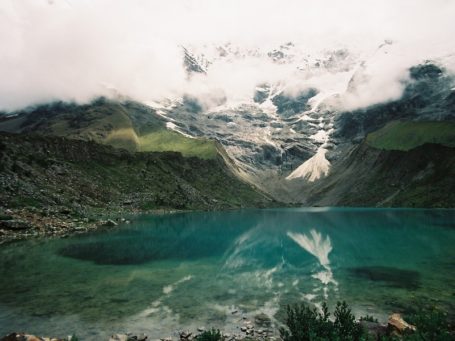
[397,326]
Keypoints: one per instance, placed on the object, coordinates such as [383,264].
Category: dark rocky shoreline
[26,223]
[259,329]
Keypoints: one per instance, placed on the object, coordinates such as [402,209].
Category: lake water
[186,270]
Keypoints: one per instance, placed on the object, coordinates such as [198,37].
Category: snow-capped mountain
[287,118]
[294,127]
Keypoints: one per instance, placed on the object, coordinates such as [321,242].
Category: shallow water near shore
[165,273]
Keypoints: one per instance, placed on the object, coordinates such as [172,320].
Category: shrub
[306,324]
[431,325]
[368,318]
[210,335]
[345,324]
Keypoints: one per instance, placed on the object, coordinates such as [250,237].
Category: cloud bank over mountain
[77,50]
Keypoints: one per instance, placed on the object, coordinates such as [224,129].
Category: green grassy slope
[131,126]
[166,140]
[406,135]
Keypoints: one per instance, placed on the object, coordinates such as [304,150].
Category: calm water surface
[181,271]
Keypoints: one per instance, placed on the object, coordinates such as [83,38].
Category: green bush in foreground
[308,324]
[210,335]
[432,325]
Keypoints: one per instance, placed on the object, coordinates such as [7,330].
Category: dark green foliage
[345,325]
[5,217]
[368,318]
[306,324]
[431,325]
[210,335]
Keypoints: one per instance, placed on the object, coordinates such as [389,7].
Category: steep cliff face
[122,124]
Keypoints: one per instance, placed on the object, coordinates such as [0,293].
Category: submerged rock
[109,223]
[119,337]
[391,276]
[262,320]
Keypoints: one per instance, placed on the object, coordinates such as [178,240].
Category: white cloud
[77,50]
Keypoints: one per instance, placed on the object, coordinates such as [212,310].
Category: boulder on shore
[397,325]
[109,223]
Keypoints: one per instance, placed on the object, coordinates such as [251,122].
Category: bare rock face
[396,324]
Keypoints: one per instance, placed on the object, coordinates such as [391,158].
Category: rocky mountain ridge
[280,141]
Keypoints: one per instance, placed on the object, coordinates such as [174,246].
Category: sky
[77,50]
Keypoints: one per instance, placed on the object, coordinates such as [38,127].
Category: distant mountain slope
[290,145]
[283,137]
[420,177]
[405,135]
[128,125]
[44,172]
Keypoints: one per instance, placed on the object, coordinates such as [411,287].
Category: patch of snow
[173,126]
[170,125]
[320,136]
[305,117]
[164,115]
[313,168]
[154,105]
[268,107]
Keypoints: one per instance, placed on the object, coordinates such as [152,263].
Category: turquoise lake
[181,271]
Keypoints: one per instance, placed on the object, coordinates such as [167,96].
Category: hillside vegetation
[406,135]
[128,125]
[49,181]
[420,177]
